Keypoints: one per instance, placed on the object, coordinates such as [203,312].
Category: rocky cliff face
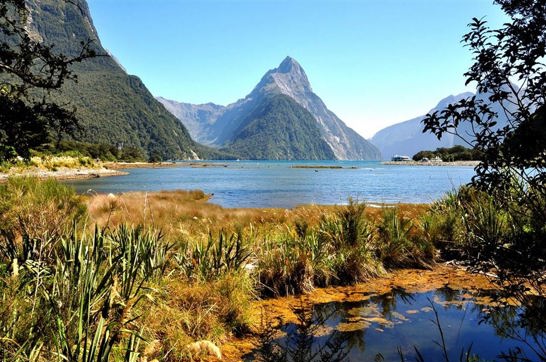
[288,79]
[279,129]
[199,119]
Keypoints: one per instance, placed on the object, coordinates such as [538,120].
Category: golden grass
[189,213]
[180,310]
[56,162]
[185,310]
[50,163]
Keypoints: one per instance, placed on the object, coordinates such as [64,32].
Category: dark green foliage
[117,109]
[99,151]
[280,129]
[112,108]
[30,71]
[505,218]
[503,239]
[455,153]
[473,228]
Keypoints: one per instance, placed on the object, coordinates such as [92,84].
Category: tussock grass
[56,162]
[34,210]
[175,212]
[152,273]
[191,311]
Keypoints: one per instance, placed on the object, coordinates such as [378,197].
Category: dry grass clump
[402,243]
[49,163]
[179,206]
[338,250]
[188,311]
[190,213]
[54,163]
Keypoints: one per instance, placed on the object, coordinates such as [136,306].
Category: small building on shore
[398,158]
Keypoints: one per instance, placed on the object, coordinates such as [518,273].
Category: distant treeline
[455,153]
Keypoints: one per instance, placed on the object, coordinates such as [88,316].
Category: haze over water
[279,184]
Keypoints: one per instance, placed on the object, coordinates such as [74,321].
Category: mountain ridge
[407,137]
[113,107]
[279,129]
[290,79]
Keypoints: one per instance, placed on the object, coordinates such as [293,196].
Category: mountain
[280,129]
[199,119]
[407,138]
[113,107]
[220,127]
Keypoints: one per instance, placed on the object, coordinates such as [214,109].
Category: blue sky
[373,62]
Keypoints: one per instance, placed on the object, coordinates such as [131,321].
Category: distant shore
[194,164]
[431,163]
[64,174]
[109,169]
[323,167]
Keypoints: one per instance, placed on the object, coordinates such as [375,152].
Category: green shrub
[351,241]
[394,238]
[402,243]
[286,264]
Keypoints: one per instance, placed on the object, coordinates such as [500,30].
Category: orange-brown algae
[411,280]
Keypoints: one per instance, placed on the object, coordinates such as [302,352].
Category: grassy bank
[57,166]
[169,276]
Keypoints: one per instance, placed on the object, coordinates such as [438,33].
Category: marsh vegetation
[143,276]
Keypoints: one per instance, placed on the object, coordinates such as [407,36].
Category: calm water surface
[383,324]
[279,184]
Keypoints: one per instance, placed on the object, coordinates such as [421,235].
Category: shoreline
[65,174]
[192,164]
[111,169]
[432,163]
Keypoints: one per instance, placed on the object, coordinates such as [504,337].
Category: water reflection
[384,327]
